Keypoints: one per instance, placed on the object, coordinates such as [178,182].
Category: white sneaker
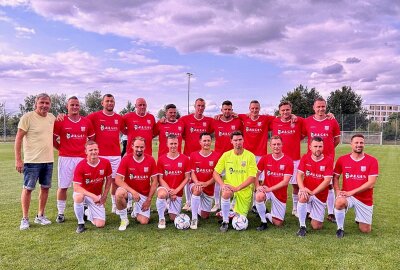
[42,220]
[123,225]
[161,224]
[215,208]
[294,213]
[113,209]
[193,224]
[24,224]
[186,207]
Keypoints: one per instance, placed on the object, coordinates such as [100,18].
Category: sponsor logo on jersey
[131,176]
[221,133]
[75,136]
[348,175]
[172,133]
[275,174]
[174,172]
[254,130]
[87,181]
[232,171]
[197,130]
[204,170]
[103,127]
[137,127]
[289,132]
[319,134]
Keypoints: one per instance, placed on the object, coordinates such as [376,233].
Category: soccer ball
[182,222]
[240,223]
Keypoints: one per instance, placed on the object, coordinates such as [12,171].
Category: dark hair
[170,106]
[357,136]
[285,102]
[172,136]
[317,139]
[199,99]
[107,95]
[236,133]
[319,99]
[227,103]
[204,134]
[276,137]
[255,101]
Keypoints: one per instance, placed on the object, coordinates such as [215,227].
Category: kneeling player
[174,172]
[278,169]
[360,172]
[240,171]
[89,178]
[202,164]
[136,174]
[313,177]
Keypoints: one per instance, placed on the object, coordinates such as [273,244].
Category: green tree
[302,99]
[162,111]
[58,103]
[92,102]
[28,106]
[346,105]
[129,108]
[391,129]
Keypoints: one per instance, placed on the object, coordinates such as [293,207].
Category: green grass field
[57,246]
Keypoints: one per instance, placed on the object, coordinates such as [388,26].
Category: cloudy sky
[236,50]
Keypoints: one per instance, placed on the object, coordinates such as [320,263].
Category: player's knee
[340,203]
[204,215]
[316,225]
[277,222]
[172,217]
[78,197]
[260,197]
[226,195]
[295,189]
[365,228]
[302,199]
[162,194]
[196,192]
[100,223]
[143,220]
[120,194]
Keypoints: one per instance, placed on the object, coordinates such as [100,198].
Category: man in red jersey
[137,174]
[170,125]
[360,172]
[202,164]
[313,177]
[108,125]
[89,178]
[328,129]
[140,123]
[70,135]
[278,169]
[174,171]
[223,127]
[194,124]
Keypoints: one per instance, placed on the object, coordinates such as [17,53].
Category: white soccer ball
[182,222]
[240,223]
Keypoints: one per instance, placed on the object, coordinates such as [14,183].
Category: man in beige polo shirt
[35,134]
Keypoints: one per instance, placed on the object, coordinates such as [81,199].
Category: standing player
[223,128]
[137,174]
[202,164]
[360,172]
[291,135]
[35,132]
[328,129]
[174,171]
[194,124]
[241,169]
[70,136]
[89,188]
[140,123]
[170,125]
[313,177]
[108,125]
[278,169]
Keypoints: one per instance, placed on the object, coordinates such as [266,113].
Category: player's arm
[336,183]
[281,184]
[218,179]
[182,184]
[303,191]
[119,181]
[153,187]
[19,164]
[250,180]
[336,140]
[322,186]
[56,143]
[194,177]
[367,185]
[79,189]
[162,182]
[106,189]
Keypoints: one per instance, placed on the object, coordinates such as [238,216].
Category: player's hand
[345,194]
[103,199]
[330,116]
[261,189]
[146,204]
[60,117]
[19,166]
[135,196]
[172,192]
[227,188]
[96,199]
[303,193]
[293,118]
[217,117]
[163,120]
[173,197]
[198,187]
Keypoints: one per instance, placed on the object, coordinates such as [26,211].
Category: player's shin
[123,214]
[261,209]
[302,212]
[331,201]
[79,212]
[225,207]
[161,204]
[340,216]
[195,203]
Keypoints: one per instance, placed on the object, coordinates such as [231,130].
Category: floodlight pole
[188,90]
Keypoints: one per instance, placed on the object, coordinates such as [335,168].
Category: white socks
[161,204]
[217,194]
[302,212]
[261,211]
[225,208]
[195,203]
[340,216]
[330,202]
[79,212]
[123,214]
[295,198]
[61,206]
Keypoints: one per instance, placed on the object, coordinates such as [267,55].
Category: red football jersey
[256,133]
[274,171]
[355,173]
[107,129]
[165,129]
[142,126]
[137,174]
[193,128]
[327,129]
[203,168]
[90,177]
[291,134]
[222,131]
[173,170]
[314,173]
[73,136]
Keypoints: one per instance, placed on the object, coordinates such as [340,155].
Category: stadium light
[188,92]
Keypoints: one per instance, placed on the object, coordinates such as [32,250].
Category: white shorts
[175,206]
[205,200]
[114,160]
[278,208]
[293,180]
[317,208]
[66,168]
[261,177]
[95,211]
[363,212]
[138,205]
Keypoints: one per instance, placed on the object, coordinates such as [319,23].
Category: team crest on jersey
[87,181]
[146,169]
[101,127]
[322,168]
[101,172]
[148,121]
[83,129]
[259,124]
[363,168]
[243,163]
[180,164]
[204,124]
[282,167]
[326,127]
[116,121]
[211,163]
[308,173]
[233,127]
[180,128]
[131,176]
[68,135]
